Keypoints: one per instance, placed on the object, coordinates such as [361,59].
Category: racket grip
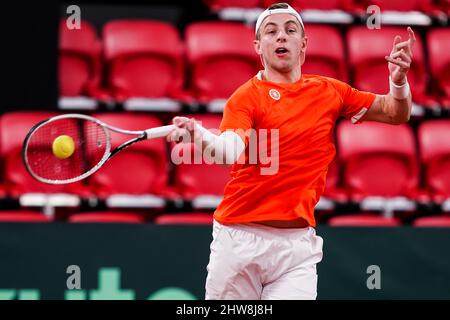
[159,132]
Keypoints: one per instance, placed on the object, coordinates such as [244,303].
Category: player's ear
[257,46]
[303,45]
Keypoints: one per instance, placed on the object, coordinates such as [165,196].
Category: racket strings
[90,143]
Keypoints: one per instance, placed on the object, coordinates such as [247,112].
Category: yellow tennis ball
[63,147]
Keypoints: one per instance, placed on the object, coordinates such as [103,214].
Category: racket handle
[159,132]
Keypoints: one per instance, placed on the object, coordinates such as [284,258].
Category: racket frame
[142,135]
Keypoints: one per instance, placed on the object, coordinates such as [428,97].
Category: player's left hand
[401,57]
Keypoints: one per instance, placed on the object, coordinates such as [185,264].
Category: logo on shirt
[274,94]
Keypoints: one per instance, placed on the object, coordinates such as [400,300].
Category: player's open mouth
[281,51]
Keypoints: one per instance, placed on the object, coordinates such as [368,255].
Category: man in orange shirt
[264,242]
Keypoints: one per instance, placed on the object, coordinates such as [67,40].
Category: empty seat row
[377,166]
[206,218]
[373,220]
[142,170]
[350,6]
[390,169]
[342,12]
[145,64]
[146,59]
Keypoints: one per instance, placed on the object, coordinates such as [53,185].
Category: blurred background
[140,227]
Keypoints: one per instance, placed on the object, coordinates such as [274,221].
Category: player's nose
[281,36]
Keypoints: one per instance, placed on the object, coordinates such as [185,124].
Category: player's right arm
[238,118]
[225,148]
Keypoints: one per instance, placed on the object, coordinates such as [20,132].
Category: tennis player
[264,242]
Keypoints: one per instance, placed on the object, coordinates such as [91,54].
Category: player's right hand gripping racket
[88,139]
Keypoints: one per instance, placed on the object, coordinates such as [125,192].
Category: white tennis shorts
[253,261]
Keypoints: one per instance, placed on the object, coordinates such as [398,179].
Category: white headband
[268,12]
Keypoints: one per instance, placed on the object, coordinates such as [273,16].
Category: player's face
[281,45]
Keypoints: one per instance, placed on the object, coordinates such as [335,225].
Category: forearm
[398,103]
[223,149]
[398,110]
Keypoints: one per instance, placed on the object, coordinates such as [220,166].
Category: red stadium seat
[185,218]
[106,217]
[439,58]
[301,5]
[399,5]
[23,216]
[216,5]
[202,183]
[398,12]
[333,191]
[138,170]
[326,60]
[332,194]
[444,6]
[320,11]
[144,58]
[363,220]
[215,48]
[377,160]
[367,49]
[79,65]
[434,146]
[432,221]
[13,128]
[79,60]
[246,11]
[2,171]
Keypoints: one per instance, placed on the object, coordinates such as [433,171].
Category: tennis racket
[91,147]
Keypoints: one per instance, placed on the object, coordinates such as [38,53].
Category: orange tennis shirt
[304,114]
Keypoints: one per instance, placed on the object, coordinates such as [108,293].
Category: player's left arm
[395,107]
